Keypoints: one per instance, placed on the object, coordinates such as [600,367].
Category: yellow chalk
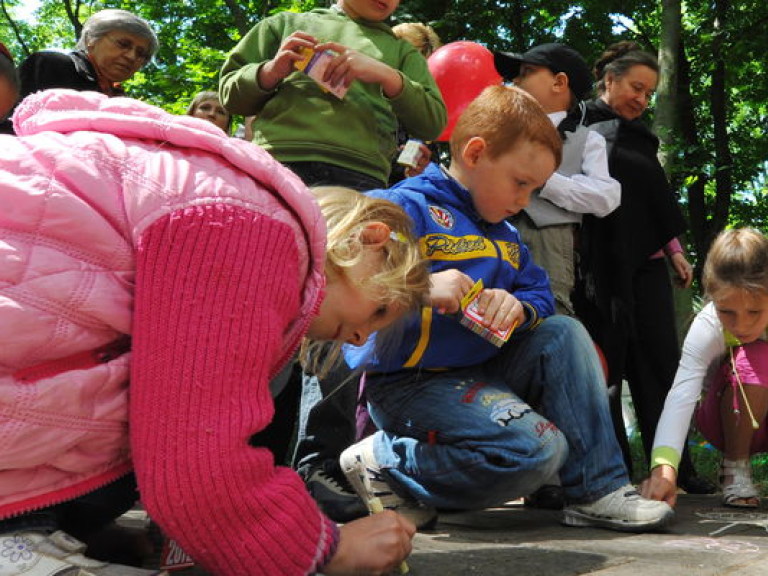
[375,506]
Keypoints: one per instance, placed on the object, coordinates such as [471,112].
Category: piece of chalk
[375,506]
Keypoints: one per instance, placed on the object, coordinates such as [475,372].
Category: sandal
[736,482]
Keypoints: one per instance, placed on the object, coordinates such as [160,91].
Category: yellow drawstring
[755,423]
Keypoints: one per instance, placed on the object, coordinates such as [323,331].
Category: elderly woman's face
[118,55]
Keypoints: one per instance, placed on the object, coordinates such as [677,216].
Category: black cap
[556,57]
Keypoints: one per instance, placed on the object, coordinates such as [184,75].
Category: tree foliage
[714,125]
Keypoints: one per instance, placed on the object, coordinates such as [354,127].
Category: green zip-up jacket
[299,122]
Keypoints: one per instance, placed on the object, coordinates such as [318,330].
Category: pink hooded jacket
[118,219]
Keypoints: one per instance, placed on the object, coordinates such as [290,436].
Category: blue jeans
[469,438]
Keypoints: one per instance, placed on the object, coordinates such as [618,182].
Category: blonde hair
[403,279]
[504,116]
[420,36]
[737,260]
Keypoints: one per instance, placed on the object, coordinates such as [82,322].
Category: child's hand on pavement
[349,65]
[273,72]
[500,309]
[374,545]
[661,485]
[447,290]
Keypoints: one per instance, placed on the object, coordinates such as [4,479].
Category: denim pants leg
[556,368]
[465,439]
[457,440]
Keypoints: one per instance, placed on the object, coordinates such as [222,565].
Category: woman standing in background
[625,294]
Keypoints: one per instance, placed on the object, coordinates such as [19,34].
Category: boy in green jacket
[323,138]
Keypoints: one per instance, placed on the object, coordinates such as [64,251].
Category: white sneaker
[623,509]
[19,555]
[59,554]
[364,474]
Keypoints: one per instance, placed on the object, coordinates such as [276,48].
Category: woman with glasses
[113,46]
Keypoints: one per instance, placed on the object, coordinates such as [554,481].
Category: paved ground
[517,541]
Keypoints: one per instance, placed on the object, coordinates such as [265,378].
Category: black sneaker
[548,497]
[334,495]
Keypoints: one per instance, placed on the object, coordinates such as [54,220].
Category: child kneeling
[465,424]
[726,353]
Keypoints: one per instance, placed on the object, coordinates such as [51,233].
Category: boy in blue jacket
[464,423]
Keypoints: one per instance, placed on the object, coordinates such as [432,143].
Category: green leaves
[195,37]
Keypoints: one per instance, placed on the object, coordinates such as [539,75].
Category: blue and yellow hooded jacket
[452,235]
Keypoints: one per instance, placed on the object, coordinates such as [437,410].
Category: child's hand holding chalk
[375,506]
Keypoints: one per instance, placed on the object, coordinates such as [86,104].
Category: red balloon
[462,70]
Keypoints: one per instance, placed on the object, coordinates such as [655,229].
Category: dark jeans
[322,174]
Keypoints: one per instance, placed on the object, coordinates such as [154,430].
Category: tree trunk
[698,220]
[664,122]
[719,102]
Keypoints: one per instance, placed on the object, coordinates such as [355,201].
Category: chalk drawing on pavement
[715,544]
[733,519]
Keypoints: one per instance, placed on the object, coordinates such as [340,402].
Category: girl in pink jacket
[133,242]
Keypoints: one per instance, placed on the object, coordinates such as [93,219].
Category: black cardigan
[612,248]
[50,69]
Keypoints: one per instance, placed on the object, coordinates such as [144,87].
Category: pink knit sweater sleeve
[216,286]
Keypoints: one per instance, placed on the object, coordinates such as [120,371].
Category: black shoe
[697,485]
[334,495]
[548,497]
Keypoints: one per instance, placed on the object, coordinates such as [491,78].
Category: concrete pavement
[518,541]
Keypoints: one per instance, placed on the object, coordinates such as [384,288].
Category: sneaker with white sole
[31,553]
[364,474]
[623,509]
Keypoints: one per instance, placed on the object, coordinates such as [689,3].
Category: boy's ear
[473,150]
[375,234]
[561,83]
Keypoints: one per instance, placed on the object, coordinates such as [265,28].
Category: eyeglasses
[125,45]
